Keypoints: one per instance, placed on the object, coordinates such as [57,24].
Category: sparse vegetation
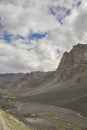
[8,122]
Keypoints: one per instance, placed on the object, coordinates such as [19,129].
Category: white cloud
[21,17]
[80,23]
[29,15]
[15,59]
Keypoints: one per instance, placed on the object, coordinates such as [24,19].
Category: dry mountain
[71,70]
[67,86]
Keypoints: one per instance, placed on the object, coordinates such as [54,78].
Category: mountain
[8,122]
[73,63]
[24,83]
[8,78]
[67,86]
[71,70]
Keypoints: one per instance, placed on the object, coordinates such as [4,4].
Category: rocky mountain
[68,85]
[72,63]
[25,83]
[8,78]
[65,87]
[71,70]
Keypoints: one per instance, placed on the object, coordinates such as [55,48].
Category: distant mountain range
[67,86]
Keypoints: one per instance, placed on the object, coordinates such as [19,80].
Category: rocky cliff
[73,63]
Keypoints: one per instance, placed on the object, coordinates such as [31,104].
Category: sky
[34,34]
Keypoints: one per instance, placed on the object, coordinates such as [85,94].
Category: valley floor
[47,117]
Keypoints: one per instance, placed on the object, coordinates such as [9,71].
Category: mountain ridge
[71,70]
[65,87]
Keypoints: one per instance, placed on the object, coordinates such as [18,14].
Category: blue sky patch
[35,36]
[68,12]
[7,37]
[60,8]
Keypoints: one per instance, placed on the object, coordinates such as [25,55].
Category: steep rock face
[73,63]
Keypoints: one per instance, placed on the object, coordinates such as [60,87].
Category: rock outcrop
[73,63]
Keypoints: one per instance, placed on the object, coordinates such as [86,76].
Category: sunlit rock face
[73,62]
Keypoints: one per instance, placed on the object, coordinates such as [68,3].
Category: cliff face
[73,63]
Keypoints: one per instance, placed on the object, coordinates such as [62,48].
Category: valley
[49,100]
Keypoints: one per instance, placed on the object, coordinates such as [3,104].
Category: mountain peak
[73,62]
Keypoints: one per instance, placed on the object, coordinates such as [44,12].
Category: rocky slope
[71,70]
[68,85]
[8,122]
[8,78]
[23,83]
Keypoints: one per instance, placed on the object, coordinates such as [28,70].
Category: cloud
[22,59]
[53,26]
[29,15]
[80,23]
[22,16]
